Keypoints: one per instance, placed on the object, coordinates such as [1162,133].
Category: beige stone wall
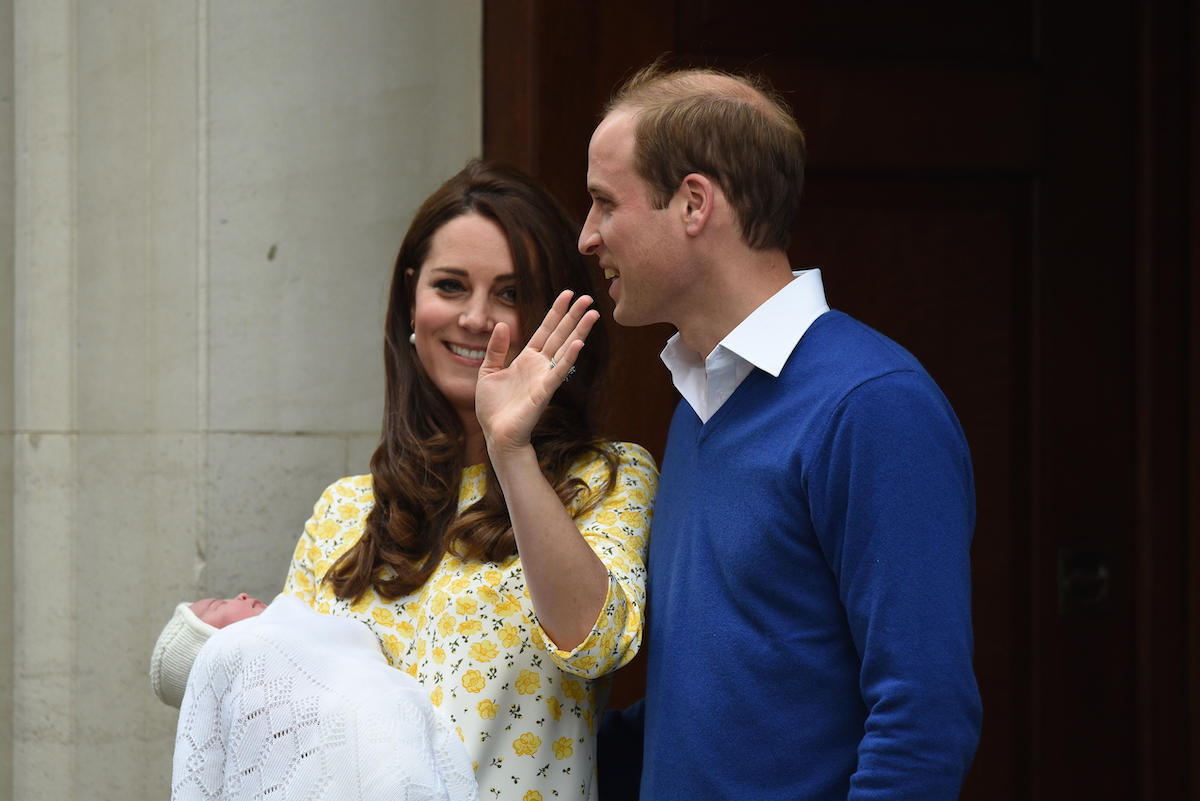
[206,197]
[6,395]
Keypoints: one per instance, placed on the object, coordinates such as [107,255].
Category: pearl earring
[412,338]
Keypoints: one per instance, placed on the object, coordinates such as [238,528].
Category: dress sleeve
[302,575]
[618,530]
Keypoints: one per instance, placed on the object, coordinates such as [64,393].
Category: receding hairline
[652,87]
[736,129]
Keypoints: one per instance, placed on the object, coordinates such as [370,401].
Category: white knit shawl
[293,704]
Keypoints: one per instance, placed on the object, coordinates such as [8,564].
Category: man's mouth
[466,353]
[610,273]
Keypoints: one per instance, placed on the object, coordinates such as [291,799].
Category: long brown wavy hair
[417,468]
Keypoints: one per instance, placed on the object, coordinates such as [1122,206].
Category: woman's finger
[567,328]
[497,349]
[564,358]
[550,322]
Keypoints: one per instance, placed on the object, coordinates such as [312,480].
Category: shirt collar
[765,339]
[769,334]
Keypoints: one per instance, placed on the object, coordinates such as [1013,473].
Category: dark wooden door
[1003,187]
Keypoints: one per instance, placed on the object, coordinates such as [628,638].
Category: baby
[220,612]
[283,700]
[185,634]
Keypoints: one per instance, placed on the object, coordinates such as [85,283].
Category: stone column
[7,199]
[208,196]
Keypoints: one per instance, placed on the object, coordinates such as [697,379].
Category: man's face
[637,244]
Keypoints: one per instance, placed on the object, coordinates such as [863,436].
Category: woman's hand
[567,581]
[509,400]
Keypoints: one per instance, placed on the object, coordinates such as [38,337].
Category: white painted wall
[207,196]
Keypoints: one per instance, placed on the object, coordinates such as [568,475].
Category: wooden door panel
[871,118]
[950,31]
[994,184]
[942,267]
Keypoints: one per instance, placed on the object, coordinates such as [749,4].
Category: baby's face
[220,612]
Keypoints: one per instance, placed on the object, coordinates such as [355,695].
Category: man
[809,593]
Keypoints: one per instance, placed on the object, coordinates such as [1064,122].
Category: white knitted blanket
[293,705]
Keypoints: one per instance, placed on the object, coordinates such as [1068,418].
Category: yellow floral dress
[526,710]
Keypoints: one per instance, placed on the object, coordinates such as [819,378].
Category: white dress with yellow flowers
[527,711]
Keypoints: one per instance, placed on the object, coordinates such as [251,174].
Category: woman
[497,548]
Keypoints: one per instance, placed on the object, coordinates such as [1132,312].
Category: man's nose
[589,237]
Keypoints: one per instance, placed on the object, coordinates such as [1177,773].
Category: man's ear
[697,195]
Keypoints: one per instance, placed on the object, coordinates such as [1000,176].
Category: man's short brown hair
[734,129]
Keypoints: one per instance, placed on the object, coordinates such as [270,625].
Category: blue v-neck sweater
[809,597]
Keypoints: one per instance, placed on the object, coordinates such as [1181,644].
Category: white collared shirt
[764,340]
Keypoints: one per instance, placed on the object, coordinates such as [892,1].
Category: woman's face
[466,285]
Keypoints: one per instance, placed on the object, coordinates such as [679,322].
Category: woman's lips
[463,352]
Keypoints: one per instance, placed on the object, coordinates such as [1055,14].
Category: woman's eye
[448,285]
[508,294]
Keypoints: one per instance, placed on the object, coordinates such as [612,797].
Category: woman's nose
[475,317]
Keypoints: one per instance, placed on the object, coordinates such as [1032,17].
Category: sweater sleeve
[617,529]
[895,513]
